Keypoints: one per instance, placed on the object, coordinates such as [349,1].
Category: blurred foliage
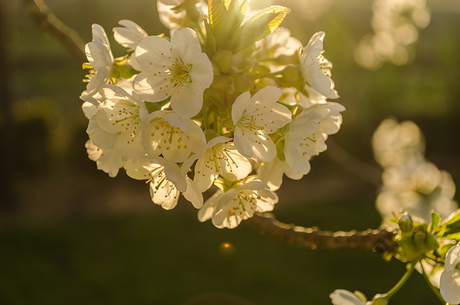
[168,257]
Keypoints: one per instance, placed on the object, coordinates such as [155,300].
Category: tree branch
[48,22]
[380,241]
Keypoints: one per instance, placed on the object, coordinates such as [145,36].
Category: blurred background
[69,234]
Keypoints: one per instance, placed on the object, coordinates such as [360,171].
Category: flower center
[180,73]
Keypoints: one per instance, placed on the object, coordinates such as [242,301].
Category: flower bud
[290,77]
[379,300]
[223,59]
[406,225]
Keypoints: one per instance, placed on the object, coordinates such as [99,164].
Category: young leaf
[218,19]
[452,223]
[225,16]
[259,26]
[210,40]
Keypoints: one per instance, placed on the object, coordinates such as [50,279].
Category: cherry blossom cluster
[396,25]
[410,182]
[203,110]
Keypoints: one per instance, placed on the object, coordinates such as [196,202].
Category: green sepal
[259,26]
[224,83]
[216,97]
[435,219]
[223,59]
[290,77]
[155,106]
[242,83]
[444,249]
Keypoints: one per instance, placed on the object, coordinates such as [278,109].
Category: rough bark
[380,241]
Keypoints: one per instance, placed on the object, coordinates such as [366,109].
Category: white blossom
[100,58]
[316,68]
[450,278]
[176,70]
[255,118]
[300,141]
[220,158]
[121,113]
[172,136]
[129,35]
[344,297]
[272,173]
[278,43]
[228,209]
[107,160]
[395,143]
[417,187]
[175,20]
[166,181]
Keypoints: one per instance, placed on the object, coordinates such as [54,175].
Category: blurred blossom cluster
[410,182]
[229,103]
[396,24]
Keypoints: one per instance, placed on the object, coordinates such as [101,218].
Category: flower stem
[267,75]
[200,32]
[434,289]
[399,284]
[205,116]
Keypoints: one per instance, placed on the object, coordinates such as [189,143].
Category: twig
[380,241]
[353,164]
[48,22]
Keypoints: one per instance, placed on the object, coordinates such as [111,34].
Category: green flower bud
[291,77]
[223,59]
[406,225]
[379,300]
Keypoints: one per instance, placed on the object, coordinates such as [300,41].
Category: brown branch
[380,241]
[48,22]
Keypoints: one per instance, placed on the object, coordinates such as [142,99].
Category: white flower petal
[153,87]
[450,286]
[185,44]
[154,52]
[129,35]
[209,206]
[344,297]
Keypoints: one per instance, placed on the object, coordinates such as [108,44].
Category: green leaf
[452,223]
[210,40]
[455,236]
[259,26]
[219,19]
[224,17]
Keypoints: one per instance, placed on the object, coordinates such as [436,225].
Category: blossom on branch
[100,58]
[175,70]
[228,209]
[167,181]
[316,68]
[255,118]
[220,158]
[450,278]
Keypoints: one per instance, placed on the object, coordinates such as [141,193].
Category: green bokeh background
[72,235]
